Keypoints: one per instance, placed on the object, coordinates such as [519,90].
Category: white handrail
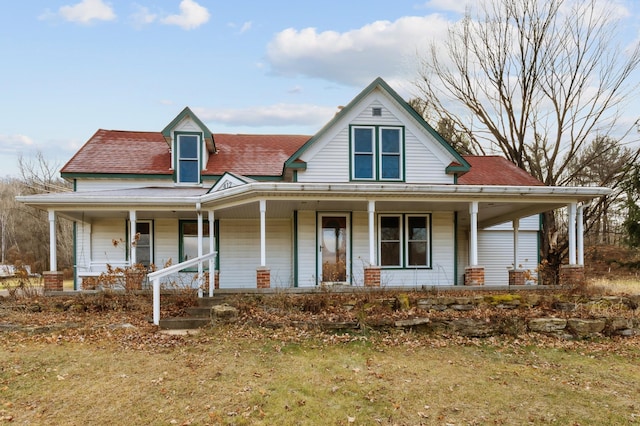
[155,279]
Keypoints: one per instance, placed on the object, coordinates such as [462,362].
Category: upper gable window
[377,153]
[188,158]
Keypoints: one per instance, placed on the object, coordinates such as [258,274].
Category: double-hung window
[188,158]
[376,153]
[404,240]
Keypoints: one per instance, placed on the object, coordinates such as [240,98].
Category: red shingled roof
[114,151]
[125,152]
[252,155]
[495,170]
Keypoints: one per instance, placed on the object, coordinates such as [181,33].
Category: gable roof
[461,165]
[146,153]
[495,170]
[186,112]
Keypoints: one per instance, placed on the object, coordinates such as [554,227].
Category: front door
[333,255]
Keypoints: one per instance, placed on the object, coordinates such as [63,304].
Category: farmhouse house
[375,198]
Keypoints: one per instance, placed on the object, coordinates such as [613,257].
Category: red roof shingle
[127,152]
[495,170]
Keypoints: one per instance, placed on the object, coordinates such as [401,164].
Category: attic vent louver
[376,112]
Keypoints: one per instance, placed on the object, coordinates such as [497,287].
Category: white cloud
[246,27]
[142,16]
[273,115]
[191,16]
[356,57]
[15,143]
[87,11]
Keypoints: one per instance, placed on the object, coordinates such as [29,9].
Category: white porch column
[132,232]
[263,233]
[473,233]
[200,251]
[372,243]
[516,226]
[53,263]
[572,233]
[580,234]
[212,261]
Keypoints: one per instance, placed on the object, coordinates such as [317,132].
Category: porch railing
[155,277]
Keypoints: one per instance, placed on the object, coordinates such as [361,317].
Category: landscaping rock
[547,325]
[585,327]
[224,314]
[470,327]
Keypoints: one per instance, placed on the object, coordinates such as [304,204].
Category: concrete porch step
[199,311]
[208,302]
[184,323]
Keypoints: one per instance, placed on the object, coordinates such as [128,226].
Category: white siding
[166,242]
[108,241]
[328,160]
[495,253]
[530,223]
[359,246]
[83,246]
[83,185]
[240,252]
[307,273]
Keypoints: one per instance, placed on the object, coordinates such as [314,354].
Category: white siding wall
[530,223]
[359,246]
[240,252]
[328,160]
[166,242]
[83,246]
[495,253]
[307,274]
[104,233]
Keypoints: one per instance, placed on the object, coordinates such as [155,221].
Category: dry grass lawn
[113,367]
[241,375]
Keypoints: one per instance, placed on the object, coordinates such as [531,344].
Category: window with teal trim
[377,153]
[404,240]
[363,152]
[188,158]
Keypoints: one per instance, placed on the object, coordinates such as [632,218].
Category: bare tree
[535,81]
[31,226]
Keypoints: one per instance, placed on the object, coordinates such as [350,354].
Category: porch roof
[497,203]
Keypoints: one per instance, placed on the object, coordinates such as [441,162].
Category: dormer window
[188,157]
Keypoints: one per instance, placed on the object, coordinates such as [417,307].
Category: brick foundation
[517,277]
[372,276]
[572,275]
[216,281]
[474,275]
[263,277]
[53,281]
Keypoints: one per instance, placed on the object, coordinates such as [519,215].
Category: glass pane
[390,228]
[417,228]
[363,167]
[363,140]
[391,141]
[189,171]
[190,240]
[390,167]
[188,146]
[390,254]
[334,249]
[417,254]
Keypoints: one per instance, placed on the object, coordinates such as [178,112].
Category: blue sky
[71,67]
